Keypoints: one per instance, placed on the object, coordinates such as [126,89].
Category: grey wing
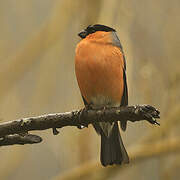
[124,101]
[85,102]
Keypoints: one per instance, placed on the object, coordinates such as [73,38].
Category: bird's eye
[89,27]
[93,30]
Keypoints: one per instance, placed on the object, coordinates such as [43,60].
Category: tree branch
[20,139]
[77,118]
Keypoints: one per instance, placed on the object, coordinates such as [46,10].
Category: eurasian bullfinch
[101,74]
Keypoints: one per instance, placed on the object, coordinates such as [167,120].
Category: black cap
[93,28]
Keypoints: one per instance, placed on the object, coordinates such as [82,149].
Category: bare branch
[79,118]
[20,139]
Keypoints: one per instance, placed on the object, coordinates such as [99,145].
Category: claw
[81,113]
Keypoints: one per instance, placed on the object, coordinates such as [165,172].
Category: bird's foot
[82,112]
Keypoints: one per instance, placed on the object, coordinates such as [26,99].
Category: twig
[79,118]
[20,139]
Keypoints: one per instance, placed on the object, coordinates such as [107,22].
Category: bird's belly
[100,100]
[100,79]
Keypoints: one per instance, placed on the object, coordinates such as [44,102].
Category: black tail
[112,148]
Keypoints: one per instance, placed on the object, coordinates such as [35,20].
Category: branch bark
[20,139]
[77,118]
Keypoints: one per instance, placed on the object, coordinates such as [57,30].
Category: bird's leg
[103,108]
[88,106]
[81,114]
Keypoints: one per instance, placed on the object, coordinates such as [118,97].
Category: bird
[100,69]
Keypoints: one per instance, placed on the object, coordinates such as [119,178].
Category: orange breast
[99,72]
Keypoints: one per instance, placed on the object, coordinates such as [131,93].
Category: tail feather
[112,148]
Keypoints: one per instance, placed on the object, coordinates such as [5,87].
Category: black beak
[83,34]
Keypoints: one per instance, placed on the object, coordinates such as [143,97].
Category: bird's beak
[83,34]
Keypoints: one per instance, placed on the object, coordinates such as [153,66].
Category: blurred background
[37,48]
